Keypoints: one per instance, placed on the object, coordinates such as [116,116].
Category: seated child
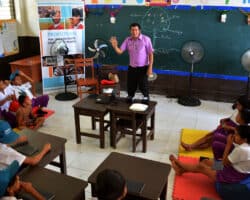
[24,88]
[236,162]
[110,185]
[220,139]
[24,115]
[6,98]
[11,160]
[10,184]
[8,136]
[225,127]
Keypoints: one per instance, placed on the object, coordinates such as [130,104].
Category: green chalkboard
[224,43]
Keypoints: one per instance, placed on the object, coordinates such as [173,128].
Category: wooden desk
[38,140]
[153,174]
[89,107]
[120,104]
[62,186]
[30,66]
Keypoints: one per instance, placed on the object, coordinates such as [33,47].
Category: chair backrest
[82,63]
[106,69]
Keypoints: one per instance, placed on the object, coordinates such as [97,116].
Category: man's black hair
[134,25]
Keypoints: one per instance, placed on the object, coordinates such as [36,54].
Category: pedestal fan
[245,61]
[192,52]
[99,50]
[59,49]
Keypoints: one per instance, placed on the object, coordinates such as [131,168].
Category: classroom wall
[27,17]
[166,84]
[27,31]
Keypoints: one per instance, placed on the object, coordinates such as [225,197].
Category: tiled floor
[171,117]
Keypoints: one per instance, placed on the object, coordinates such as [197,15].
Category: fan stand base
[65,96]
[189,101]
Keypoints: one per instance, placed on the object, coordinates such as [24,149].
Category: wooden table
[62,186]
[147,131]
[38,139]
[89,107]
[153,174]
[30,66]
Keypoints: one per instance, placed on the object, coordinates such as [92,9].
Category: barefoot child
[236,162]
[25,118]
[226,125]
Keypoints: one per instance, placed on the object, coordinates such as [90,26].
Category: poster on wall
[115,2]
[62,38]
[8,38]
[233,3]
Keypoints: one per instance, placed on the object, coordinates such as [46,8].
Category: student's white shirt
[9,198]
[8,155]
[240,158]
[7,91]
[24,88]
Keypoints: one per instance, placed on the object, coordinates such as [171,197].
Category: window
[7,9]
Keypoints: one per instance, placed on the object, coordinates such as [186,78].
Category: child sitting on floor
[24,115]
[226,125]
[24,88]
[236,162]
[6,98]
[220,138]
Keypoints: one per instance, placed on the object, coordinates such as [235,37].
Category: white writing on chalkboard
[158,23]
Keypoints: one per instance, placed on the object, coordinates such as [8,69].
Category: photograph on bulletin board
[61,17]
[115,2]
[8,38]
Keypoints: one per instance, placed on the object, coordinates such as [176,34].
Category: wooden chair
[103,74]
[81,74]
[126,123]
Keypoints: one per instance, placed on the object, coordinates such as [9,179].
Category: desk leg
[164,192]
[62,159]
[144,135]
[77,126]
[152,126]
[101,128]
[93,122]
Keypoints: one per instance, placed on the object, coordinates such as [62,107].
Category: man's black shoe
[145,100]
[129,99]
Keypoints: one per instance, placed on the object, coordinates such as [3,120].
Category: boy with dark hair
[110,185]
[10,184]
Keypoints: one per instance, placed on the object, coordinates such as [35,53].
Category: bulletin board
[8,38]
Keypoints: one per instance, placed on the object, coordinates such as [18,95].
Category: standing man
[141,59]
